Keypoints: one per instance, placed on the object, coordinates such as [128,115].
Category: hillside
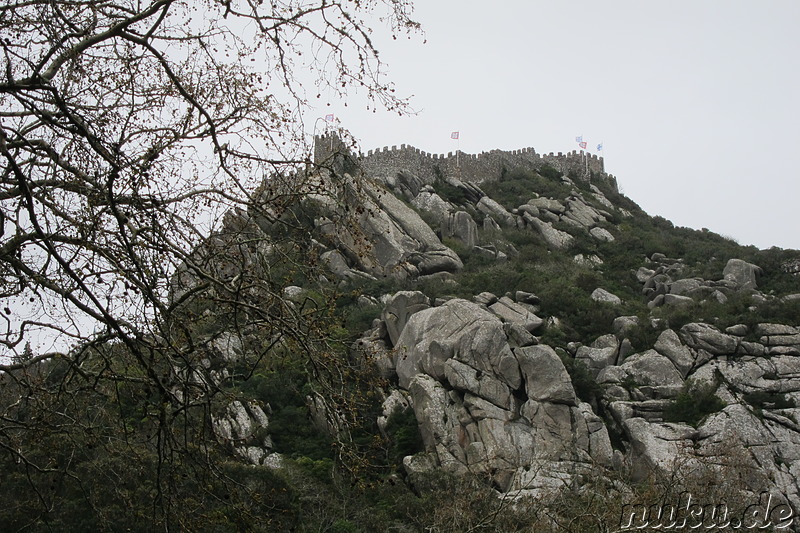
[528,333]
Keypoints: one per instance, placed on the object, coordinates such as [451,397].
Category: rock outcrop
[754,430]
[461,226]
[743,274]
[485,406]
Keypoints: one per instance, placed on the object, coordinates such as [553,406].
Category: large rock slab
[461,226]
[602,234]
[655,374]
[548,204]
[670,345]
[460,329]
[656,447]
[770,329]
[677,300]
[390,236]
[491,208]
[432,203]
[405,183]
[463,377]
[781,340]
[512,312]
[242,426]
[554,237]
[551,425]
[766,448]
[685,287]
[599,445]
[436,410]
[546,378]
[596,359]
[581,213]
[399,309]
[700,336]
[603,296]
[744,274]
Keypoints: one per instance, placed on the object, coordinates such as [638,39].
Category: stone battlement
[473,168]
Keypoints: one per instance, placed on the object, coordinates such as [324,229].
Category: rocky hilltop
[543,331]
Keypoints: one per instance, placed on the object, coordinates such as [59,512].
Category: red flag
[454,135]
[329,118]
[582,145]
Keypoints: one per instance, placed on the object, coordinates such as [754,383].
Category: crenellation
[475,168]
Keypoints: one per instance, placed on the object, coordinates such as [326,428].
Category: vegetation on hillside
[353,482]
[126,129]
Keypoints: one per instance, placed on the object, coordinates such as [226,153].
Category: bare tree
[126,129]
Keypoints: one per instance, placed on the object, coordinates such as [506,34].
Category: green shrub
[518,185]
[694,403]
[449,192]
[583,382]
[550,173]
[774,280]
[404,436]
[643,335]
[359,319]
[293,433]
[343,526]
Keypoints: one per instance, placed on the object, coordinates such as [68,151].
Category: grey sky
[695,101]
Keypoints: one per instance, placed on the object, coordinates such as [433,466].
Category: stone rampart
[473,168]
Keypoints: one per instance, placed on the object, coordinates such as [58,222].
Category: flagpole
[456,135]
[601,148]
[583,145]
[329,119]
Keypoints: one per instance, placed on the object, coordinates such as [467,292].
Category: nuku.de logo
[689,514]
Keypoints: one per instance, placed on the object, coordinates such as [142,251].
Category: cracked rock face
[485,404]
[390,237]
[485,407]
[243,427]
[754,437]
[461,226]
[398,310]
[458,329]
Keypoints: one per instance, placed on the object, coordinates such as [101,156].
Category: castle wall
[473,168]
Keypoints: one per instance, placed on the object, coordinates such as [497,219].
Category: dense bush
[404,436]
[643,335]
[285,389]
[694,403]
[450,193]
[583,382]
[517,186]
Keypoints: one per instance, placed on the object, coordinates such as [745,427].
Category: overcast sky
[695,102]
